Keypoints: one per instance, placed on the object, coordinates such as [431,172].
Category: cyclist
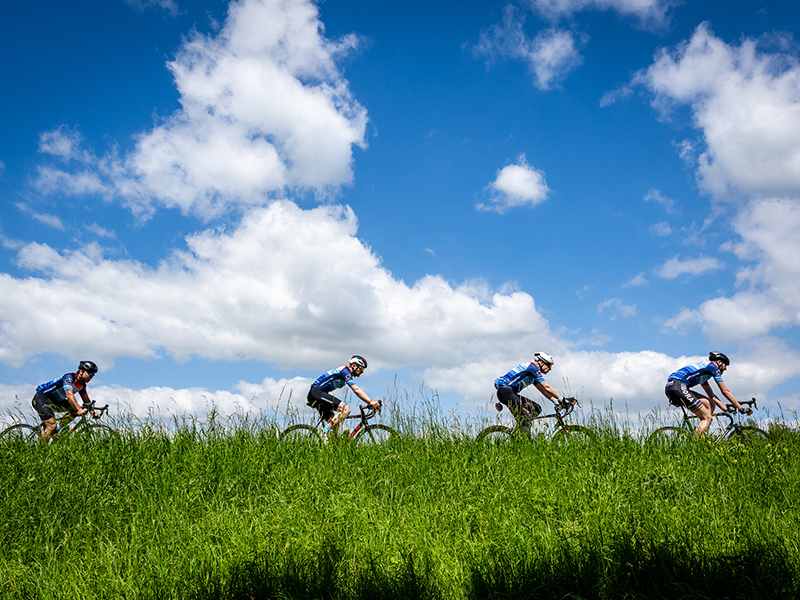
[330,408]
[512,383]
[679,392]
[58,395]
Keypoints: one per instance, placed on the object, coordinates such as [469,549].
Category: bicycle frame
[560,414]
[728,430]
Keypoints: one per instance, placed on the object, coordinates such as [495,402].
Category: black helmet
[719,356]
[88,366]
[359,360]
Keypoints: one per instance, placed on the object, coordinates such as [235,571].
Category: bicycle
[66,424]
[362,433]
[733,429]
[563,408]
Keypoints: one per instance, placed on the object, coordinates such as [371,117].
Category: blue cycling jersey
[693,375]
[56,390]
[334,379]
[520,377]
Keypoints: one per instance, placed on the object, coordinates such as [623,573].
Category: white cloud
[263,108]
[550,56]
[675,267]
[100,231]
[636,281]
[653,12]
[63,143]
[171,6]
[661,229]
[47,219]
[289,286]
[771,298]
[616,308]
[657,197]
[516,185]
[745,103]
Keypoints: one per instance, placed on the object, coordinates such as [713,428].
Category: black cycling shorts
[507,396]
[323,402]
[679,394]
[46,408]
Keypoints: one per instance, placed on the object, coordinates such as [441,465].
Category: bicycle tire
[667,435]
[375,434]
[748,434]
[98,431]
[495,434]
[20,432]
[574,432]
[301,433]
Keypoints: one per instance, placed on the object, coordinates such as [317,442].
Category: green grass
[242,515]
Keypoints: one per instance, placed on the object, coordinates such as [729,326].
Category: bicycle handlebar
[751,403]
[98,409]
[367,412]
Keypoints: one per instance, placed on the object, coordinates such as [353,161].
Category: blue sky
[636,165]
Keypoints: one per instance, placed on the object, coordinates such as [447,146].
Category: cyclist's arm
[74,403]
[726,391]
[363,396]
[547,390]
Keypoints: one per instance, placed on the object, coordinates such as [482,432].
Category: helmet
[88,366]
[359,360]
[719,356]
[545,358]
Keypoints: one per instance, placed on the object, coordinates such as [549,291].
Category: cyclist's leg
[519,406]
[331,409]
[703,409]
[47,416]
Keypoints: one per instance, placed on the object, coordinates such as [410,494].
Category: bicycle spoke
[302,433]
[20,433]
[668,435]
[375,434]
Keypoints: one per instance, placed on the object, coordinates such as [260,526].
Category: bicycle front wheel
[495,434]
[302,433]
[375,434]
[98,431]
[749,434]
[574,433]
[668,435]
[20,433]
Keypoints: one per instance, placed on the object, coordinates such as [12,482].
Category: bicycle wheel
[375,434]
[748,434]
[98,431]
[668,435]
[495,434]
[574,433]
[302,433]
[20,432]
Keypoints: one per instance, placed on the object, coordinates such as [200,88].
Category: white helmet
[359,360]
[545,358]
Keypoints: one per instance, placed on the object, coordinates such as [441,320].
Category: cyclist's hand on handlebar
[745,410]
[376,406]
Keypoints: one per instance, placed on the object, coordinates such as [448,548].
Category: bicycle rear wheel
[749,434]
[668,435]
[20,432]
[375,434]
[574,433]
[495,434]
[302,433]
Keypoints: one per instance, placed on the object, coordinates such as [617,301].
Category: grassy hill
[243,515]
